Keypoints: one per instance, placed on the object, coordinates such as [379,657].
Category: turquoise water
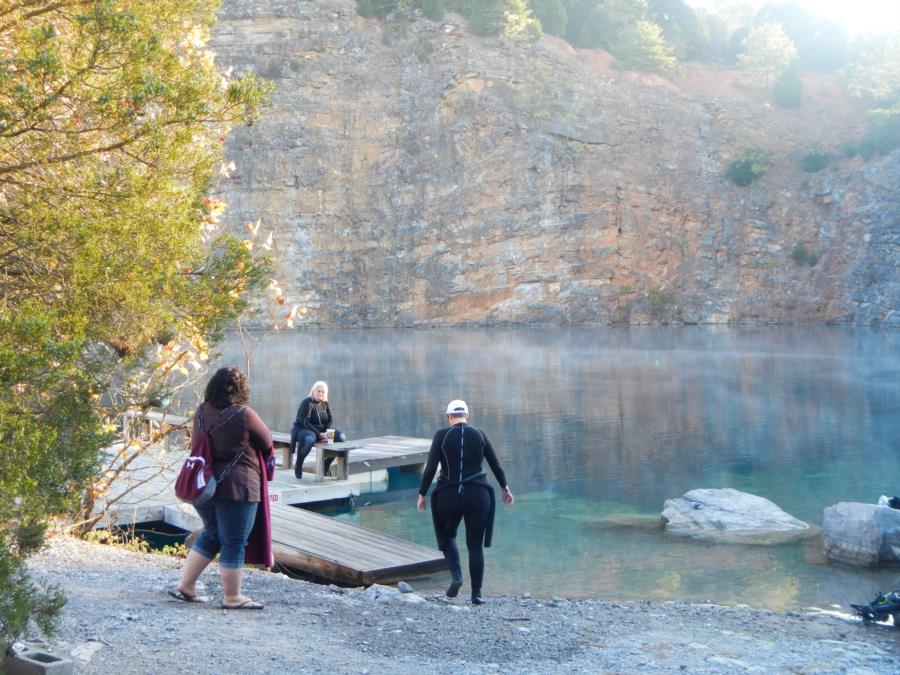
[591,423]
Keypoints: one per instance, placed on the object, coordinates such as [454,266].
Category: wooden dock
[325,547]
[335,550]
[349,554]
[380,452]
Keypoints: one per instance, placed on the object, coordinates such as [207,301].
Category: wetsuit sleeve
[259,435]
[434,456]
[493,462]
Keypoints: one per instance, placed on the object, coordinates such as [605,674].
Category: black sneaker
[477,598]
[453,589]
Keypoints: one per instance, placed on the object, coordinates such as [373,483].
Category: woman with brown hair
[239,511]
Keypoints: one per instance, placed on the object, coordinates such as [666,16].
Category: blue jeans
[226,527]
[303,440]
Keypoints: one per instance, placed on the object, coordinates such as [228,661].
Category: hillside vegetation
[772,47]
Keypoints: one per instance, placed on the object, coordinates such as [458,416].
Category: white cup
[329,435]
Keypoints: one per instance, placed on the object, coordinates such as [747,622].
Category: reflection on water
[593,422]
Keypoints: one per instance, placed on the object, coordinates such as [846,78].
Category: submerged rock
[634,522]
[861,534]
[732,517]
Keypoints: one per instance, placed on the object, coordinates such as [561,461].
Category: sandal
[246,604]
[188,597]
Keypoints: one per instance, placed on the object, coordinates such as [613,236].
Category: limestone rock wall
[415,174]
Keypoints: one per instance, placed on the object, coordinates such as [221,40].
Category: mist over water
[594,422]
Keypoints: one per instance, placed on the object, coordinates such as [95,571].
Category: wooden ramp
[333,549]
[346,553]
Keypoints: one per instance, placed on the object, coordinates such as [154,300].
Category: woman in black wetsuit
[312,420]
[463,493]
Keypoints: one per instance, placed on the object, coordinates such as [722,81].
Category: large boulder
[732,517]
[861,534]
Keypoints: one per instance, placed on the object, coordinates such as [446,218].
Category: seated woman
[312,420]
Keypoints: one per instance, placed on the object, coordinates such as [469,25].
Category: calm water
[595,422]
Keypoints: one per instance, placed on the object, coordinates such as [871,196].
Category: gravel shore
[119,619]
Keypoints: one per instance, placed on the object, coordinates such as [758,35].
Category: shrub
[519,23]
[433,9]
[849,149]
[788,90]
[802,256]
[883,134]
[551,14]
[658,303]
[749,167]
[641,46]
[487,18]
[272,71]
[768,52]
[380,8]
[423,47]
[815,160]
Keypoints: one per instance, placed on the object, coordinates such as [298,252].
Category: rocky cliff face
[415,174]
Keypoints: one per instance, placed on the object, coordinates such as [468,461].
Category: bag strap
[218,424]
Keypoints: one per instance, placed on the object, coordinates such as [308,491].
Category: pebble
[382,630]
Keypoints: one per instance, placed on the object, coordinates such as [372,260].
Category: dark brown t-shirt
[244,432]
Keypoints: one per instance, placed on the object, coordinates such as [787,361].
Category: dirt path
[119,619]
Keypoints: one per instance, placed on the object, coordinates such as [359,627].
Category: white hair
[316,385]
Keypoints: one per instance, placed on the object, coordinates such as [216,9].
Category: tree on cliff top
[509,18]
[684,29]
[877,73]
[877,69]
[768,52]
[641,46]
[112,118]
[598,23]
[821,44]
[551,14]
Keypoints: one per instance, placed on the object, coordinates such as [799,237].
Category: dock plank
[346,552]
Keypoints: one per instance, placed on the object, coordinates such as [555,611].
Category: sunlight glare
[859,16]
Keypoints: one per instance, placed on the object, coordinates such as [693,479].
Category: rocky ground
[119,619]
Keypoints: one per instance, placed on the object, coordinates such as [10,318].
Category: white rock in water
[861,534]
[730,516]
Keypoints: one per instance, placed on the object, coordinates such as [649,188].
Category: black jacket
[315,418]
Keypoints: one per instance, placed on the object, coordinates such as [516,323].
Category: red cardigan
[259,543]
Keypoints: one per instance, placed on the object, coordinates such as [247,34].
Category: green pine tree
[641,46]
